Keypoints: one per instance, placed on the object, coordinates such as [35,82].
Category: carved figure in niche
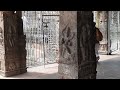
[11,66]
[83,41]
[10,21]
[11,30]
[1,36]
[11,40]
[66,42]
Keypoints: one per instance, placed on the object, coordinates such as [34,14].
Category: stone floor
[48,72]
[108,67]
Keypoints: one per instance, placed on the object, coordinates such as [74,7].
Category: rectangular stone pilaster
[2,44]
[86,45]
[103,26]
[13,46]
[68,62]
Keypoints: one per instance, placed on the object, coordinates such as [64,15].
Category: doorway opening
[42,40]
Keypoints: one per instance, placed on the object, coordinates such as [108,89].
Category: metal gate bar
[50,45]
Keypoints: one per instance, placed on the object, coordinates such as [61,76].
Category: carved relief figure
[11,30]
[1,36]
[11,66]
[66,43]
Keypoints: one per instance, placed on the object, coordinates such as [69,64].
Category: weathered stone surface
[77,43]
[103,21]
[2,50]
[22,43]
[69,71]
[86,45]
[68,45]
[13,45]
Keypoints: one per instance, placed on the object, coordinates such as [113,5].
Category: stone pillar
[13,45]
[77,53]
[97,18]
[2,44]
[103,21]
[86,45]
[68,62]
[22,43]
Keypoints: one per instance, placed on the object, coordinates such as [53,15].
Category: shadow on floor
[40,72]
[109,68]
[33,75]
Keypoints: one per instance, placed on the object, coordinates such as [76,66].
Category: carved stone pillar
[103,25]
[13,45]
[77,42]
[86,45]
[22,43]
[68,62]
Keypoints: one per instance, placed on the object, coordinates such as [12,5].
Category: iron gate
[114,30]
[42,34]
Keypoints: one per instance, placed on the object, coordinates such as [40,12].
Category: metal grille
[42,34]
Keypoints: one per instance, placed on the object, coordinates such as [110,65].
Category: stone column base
[13,73]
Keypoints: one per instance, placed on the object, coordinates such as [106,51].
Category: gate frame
[42,26]
[43,34]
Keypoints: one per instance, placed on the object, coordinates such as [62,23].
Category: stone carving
[67,43]
[86,45]
[12,55]
[10,29]
[1,47]
[0,65]
[1,36]
[11,66]
[11,40]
